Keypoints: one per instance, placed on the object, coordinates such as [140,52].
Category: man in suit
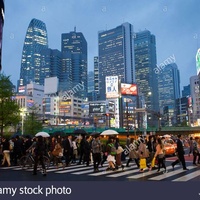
[180,153]
[68,149]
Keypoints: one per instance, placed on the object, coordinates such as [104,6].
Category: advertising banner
[128,89]
[112,87]
[97,108]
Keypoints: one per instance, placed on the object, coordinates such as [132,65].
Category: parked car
[170,147]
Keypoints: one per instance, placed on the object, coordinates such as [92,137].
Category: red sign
[128,89]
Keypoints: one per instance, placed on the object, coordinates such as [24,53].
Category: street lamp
[23,114]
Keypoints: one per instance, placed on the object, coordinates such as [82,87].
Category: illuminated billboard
[97,108]
[21,89]
[198,61]
[189,102]
[112,87]
[128,89]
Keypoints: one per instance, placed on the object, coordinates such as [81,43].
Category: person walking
[6,151]
[68,149]
[133,154]
[151,146]
[143,153]
[191,145]
[75,149]
[119,151]
[96,152]
[111,153]
[39,151]
[87,150]
[180,153]
[81,150]
[160,154]
[196,151]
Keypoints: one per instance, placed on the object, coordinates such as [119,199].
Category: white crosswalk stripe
[129,173]
[172,173]
[188,176]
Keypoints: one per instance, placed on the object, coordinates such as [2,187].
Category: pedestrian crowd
[87,150]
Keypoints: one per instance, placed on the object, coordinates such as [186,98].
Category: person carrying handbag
[143,154]
[160,154]
[119,151]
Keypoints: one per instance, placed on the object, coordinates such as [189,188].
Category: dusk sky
[174,23]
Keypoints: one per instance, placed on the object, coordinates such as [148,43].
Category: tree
[32,123]
[9,110]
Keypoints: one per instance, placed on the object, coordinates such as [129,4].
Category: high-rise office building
[74,50]
[35,42]
[51,63]
[96,76]
[90,81]
[145,62]
[116,55]
[186,91]
[194,116]
[182,111]
[169,91]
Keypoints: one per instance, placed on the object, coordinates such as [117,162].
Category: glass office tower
[116,55]
[74,68]
[35,42]
[168,92]
[145,62]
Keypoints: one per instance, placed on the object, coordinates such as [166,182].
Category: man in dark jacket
[81,149]
[87,150]
[68,149]
[180,153]
[39,151]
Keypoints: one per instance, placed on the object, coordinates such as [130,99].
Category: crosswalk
[129,173]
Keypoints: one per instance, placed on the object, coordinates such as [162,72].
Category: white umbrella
[109,132]
[43,134]
[166,136]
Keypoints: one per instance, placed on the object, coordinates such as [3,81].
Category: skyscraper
[74,49]
[145,62]
[116,55]
[195,102]
[186,91]
[96,76]
[90,81]
[169,91]
[51,63]
[35,42]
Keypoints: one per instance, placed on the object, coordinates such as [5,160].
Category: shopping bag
[143,163]
[120,150]
[153,162]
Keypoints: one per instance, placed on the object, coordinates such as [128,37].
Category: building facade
[146,78]
[169,91]
[116,55]
[186,91]
[36,41]
[194,116]
[74,67]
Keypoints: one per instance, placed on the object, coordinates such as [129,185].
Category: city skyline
[174,28]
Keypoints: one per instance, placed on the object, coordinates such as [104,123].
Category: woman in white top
[75,150]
